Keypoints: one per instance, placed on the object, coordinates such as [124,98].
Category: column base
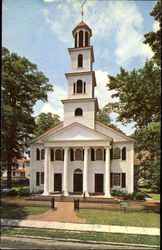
[45,193]
[107,196]
[66,193]
[85,194]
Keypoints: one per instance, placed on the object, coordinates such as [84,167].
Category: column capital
[86,147]
[65,147]
[107,147]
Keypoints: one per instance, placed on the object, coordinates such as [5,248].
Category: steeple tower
[80,105]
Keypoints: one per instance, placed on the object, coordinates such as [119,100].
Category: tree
[139,94]
[22,86]
[45,121]
[104,117]
[153,38]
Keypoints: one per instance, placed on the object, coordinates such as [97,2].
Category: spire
[82,13]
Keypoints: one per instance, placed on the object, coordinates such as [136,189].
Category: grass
[86,236]
[16,211]
[109,217]
[150,193]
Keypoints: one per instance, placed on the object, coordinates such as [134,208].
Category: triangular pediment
[76,132]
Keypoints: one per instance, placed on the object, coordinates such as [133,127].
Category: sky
[41,31]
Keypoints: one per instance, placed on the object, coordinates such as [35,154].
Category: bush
[23,181]
[23,192]
[139,196]
[8,192]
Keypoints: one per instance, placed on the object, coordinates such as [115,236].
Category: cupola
[82,34]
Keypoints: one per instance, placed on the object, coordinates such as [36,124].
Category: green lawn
[109,217]
[86,236]
[16,211]
[149,192]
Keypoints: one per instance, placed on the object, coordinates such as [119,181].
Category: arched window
[86,38]
[58,155]
[80,60]
[38,154]
[78,171]
[78,155]
[78,112]
[80,38]
[117,153]
[76,40]
[42,154]
[79,86]
[99,154]
[52,154]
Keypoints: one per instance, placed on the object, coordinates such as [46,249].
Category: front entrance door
[58,182]
[98,183]
[78,182]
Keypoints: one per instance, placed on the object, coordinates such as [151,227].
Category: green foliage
[140,196]
[22,86]
[45,121]
[23,192]
[153,39]
[104,117]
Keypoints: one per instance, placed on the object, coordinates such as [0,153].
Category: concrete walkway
[80,227]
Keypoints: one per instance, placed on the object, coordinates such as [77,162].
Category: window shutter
[111,180]
[38,154]
[124,153]
[123,180]
[52,154]
[104,154]
[63,155]
[37,179]
[71,154]
[111,153]
[83,155]
[42,177]
[92,154]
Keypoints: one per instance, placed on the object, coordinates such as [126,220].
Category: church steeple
[81,106]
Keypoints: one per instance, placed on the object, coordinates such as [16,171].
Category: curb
[82,241]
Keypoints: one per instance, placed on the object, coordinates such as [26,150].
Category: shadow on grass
[13,211]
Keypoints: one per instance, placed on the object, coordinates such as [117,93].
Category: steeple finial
[82,13]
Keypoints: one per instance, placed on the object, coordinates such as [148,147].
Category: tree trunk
[9,178]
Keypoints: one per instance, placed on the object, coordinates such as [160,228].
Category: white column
[65,188]
[107,174]
[46,172]
[85,172]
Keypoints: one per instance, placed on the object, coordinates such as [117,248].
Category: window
[124,153]
[116,179]
[76,40]
[58,155]
[80,38]
[117,153]
[37,154]
[80,60]
[123,180]
[78,171]
[13,173]
[99,154]
[86,38]
[39,178]
[78,155]
[42,154]
[78,112]
[52,154]
[79,86]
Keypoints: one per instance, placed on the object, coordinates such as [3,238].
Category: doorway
[58,182]
[98,183]
[78,181]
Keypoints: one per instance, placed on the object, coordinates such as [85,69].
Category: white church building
[81,155]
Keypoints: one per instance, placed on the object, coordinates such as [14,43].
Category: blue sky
[41,30]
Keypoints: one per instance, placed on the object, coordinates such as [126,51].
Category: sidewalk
[80,227]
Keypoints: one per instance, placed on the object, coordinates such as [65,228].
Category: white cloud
[50,0]
[156,26]
[101,91]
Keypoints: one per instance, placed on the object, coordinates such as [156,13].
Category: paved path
[80,227]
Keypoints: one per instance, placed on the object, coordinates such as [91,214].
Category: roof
[82,25]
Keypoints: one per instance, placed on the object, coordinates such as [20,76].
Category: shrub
[23,192]
[139,196]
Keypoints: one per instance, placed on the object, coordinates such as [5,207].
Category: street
[12,242]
